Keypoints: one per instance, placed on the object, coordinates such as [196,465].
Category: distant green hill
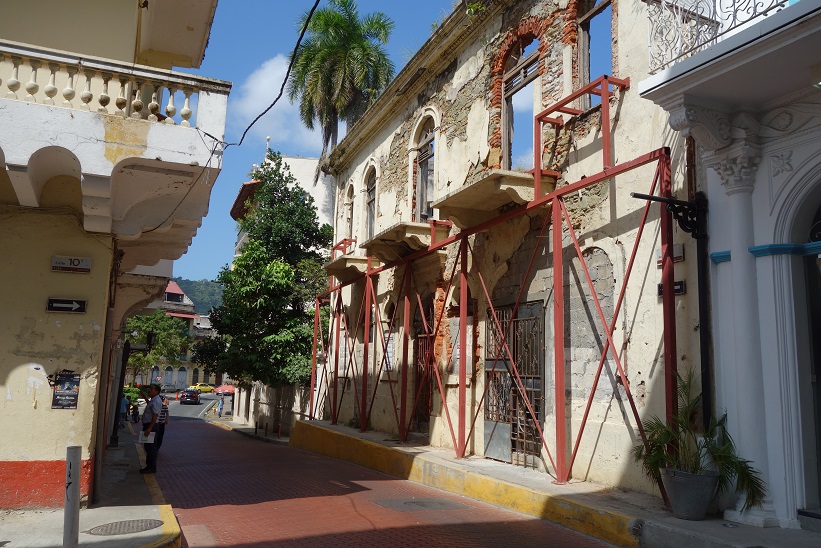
[205,293]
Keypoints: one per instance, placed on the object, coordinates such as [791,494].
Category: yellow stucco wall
[103,28]
[35,343]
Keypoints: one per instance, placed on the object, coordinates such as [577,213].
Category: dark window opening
[173,297]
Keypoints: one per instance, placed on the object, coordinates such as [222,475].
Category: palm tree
[340,68]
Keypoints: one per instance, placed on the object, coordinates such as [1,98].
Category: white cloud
[523,99]
[523,159]
[281,123]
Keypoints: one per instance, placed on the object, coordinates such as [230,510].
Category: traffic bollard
[71,510]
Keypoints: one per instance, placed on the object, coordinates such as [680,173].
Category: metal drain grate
[125,527]
[415,505]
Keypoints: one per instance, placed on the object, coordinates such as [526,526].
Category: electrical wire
[282,87]
[225,145]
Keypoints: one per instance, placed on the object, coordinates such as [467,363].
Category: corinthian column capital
[710,128]
[736,165]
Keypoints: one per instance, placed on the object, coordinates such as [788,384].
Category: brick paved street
[230,490]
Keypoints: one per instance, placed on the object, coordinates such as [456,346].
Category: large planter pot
[689,494]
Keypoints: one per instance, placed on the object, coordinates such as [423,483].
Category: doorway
[511,434]
[812,269]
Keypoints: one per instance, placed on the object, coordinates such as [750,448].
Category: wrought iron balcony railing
[681,28]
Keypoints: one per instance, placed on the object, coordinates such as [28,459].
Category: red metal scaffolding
[327,341]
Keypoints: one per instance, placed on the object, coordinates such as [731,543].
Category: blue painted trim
[812,248]
[777,249]
[720,257]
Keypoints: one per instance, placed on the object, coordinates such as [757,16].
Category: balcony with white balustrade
[142,144]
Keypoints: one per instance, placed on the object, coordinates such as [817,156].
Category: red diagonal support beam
[406,315]
[313,361]
[464,351]
[609,335]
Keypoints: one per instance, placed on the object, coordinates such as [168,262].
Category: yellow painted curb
[154,489]
[221,425]
[171,532]
[610,526]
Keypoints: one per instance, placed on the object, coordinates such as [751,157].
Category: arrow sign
[66,305]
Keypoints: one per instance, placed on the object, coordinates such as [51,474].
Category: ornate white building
[748,92]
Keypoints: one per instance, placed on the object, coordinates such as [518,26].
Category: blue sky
[250,44]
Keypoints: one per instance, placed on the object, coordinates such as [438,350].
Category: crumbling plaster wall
[467,95]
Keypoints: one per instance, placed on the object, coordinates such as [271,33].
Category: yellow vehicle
[202,387]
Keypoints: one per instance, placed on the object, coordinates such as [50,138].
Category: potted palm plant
[693,462]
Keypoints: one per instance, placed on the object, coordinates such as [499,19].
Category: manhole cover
[125,527]
[415,505]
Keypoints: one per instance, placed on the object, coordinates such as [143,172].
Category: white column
[742,381]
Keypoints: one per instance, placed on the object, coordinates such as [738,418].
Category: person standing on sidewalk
[220,404]
[151,415]
[161,422]
[125,403]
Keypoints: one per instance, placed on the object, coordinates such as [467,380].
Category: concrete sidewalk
[619,517]
[129,511]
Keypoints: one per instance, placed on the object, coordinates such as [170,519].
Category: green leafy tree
[170,341]
[282,216]
[340,67]
[208,353]
[265,321]
[266,336]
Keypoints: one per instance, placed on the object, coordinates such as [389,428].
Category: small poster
[66,391]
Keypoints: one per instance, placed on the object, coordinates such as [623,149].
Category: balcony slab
[402,239]
[347,267]
[482,200]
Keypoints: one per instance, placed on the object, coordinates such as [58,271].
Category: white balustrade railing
[680,28]
[89,82]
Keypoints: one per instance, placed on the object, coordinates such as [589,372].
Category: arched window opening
[196,377]
[349,201]
[182,376]
[425,172]
[370,205]
[520,90]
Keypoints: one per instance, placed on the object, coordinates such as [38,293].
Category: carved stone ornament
[710,128]
[781,163]
[736,166]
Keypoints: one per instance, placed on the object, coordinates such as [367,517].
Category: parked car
[224,389]
[202,387]
[169,388]
[190,395]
